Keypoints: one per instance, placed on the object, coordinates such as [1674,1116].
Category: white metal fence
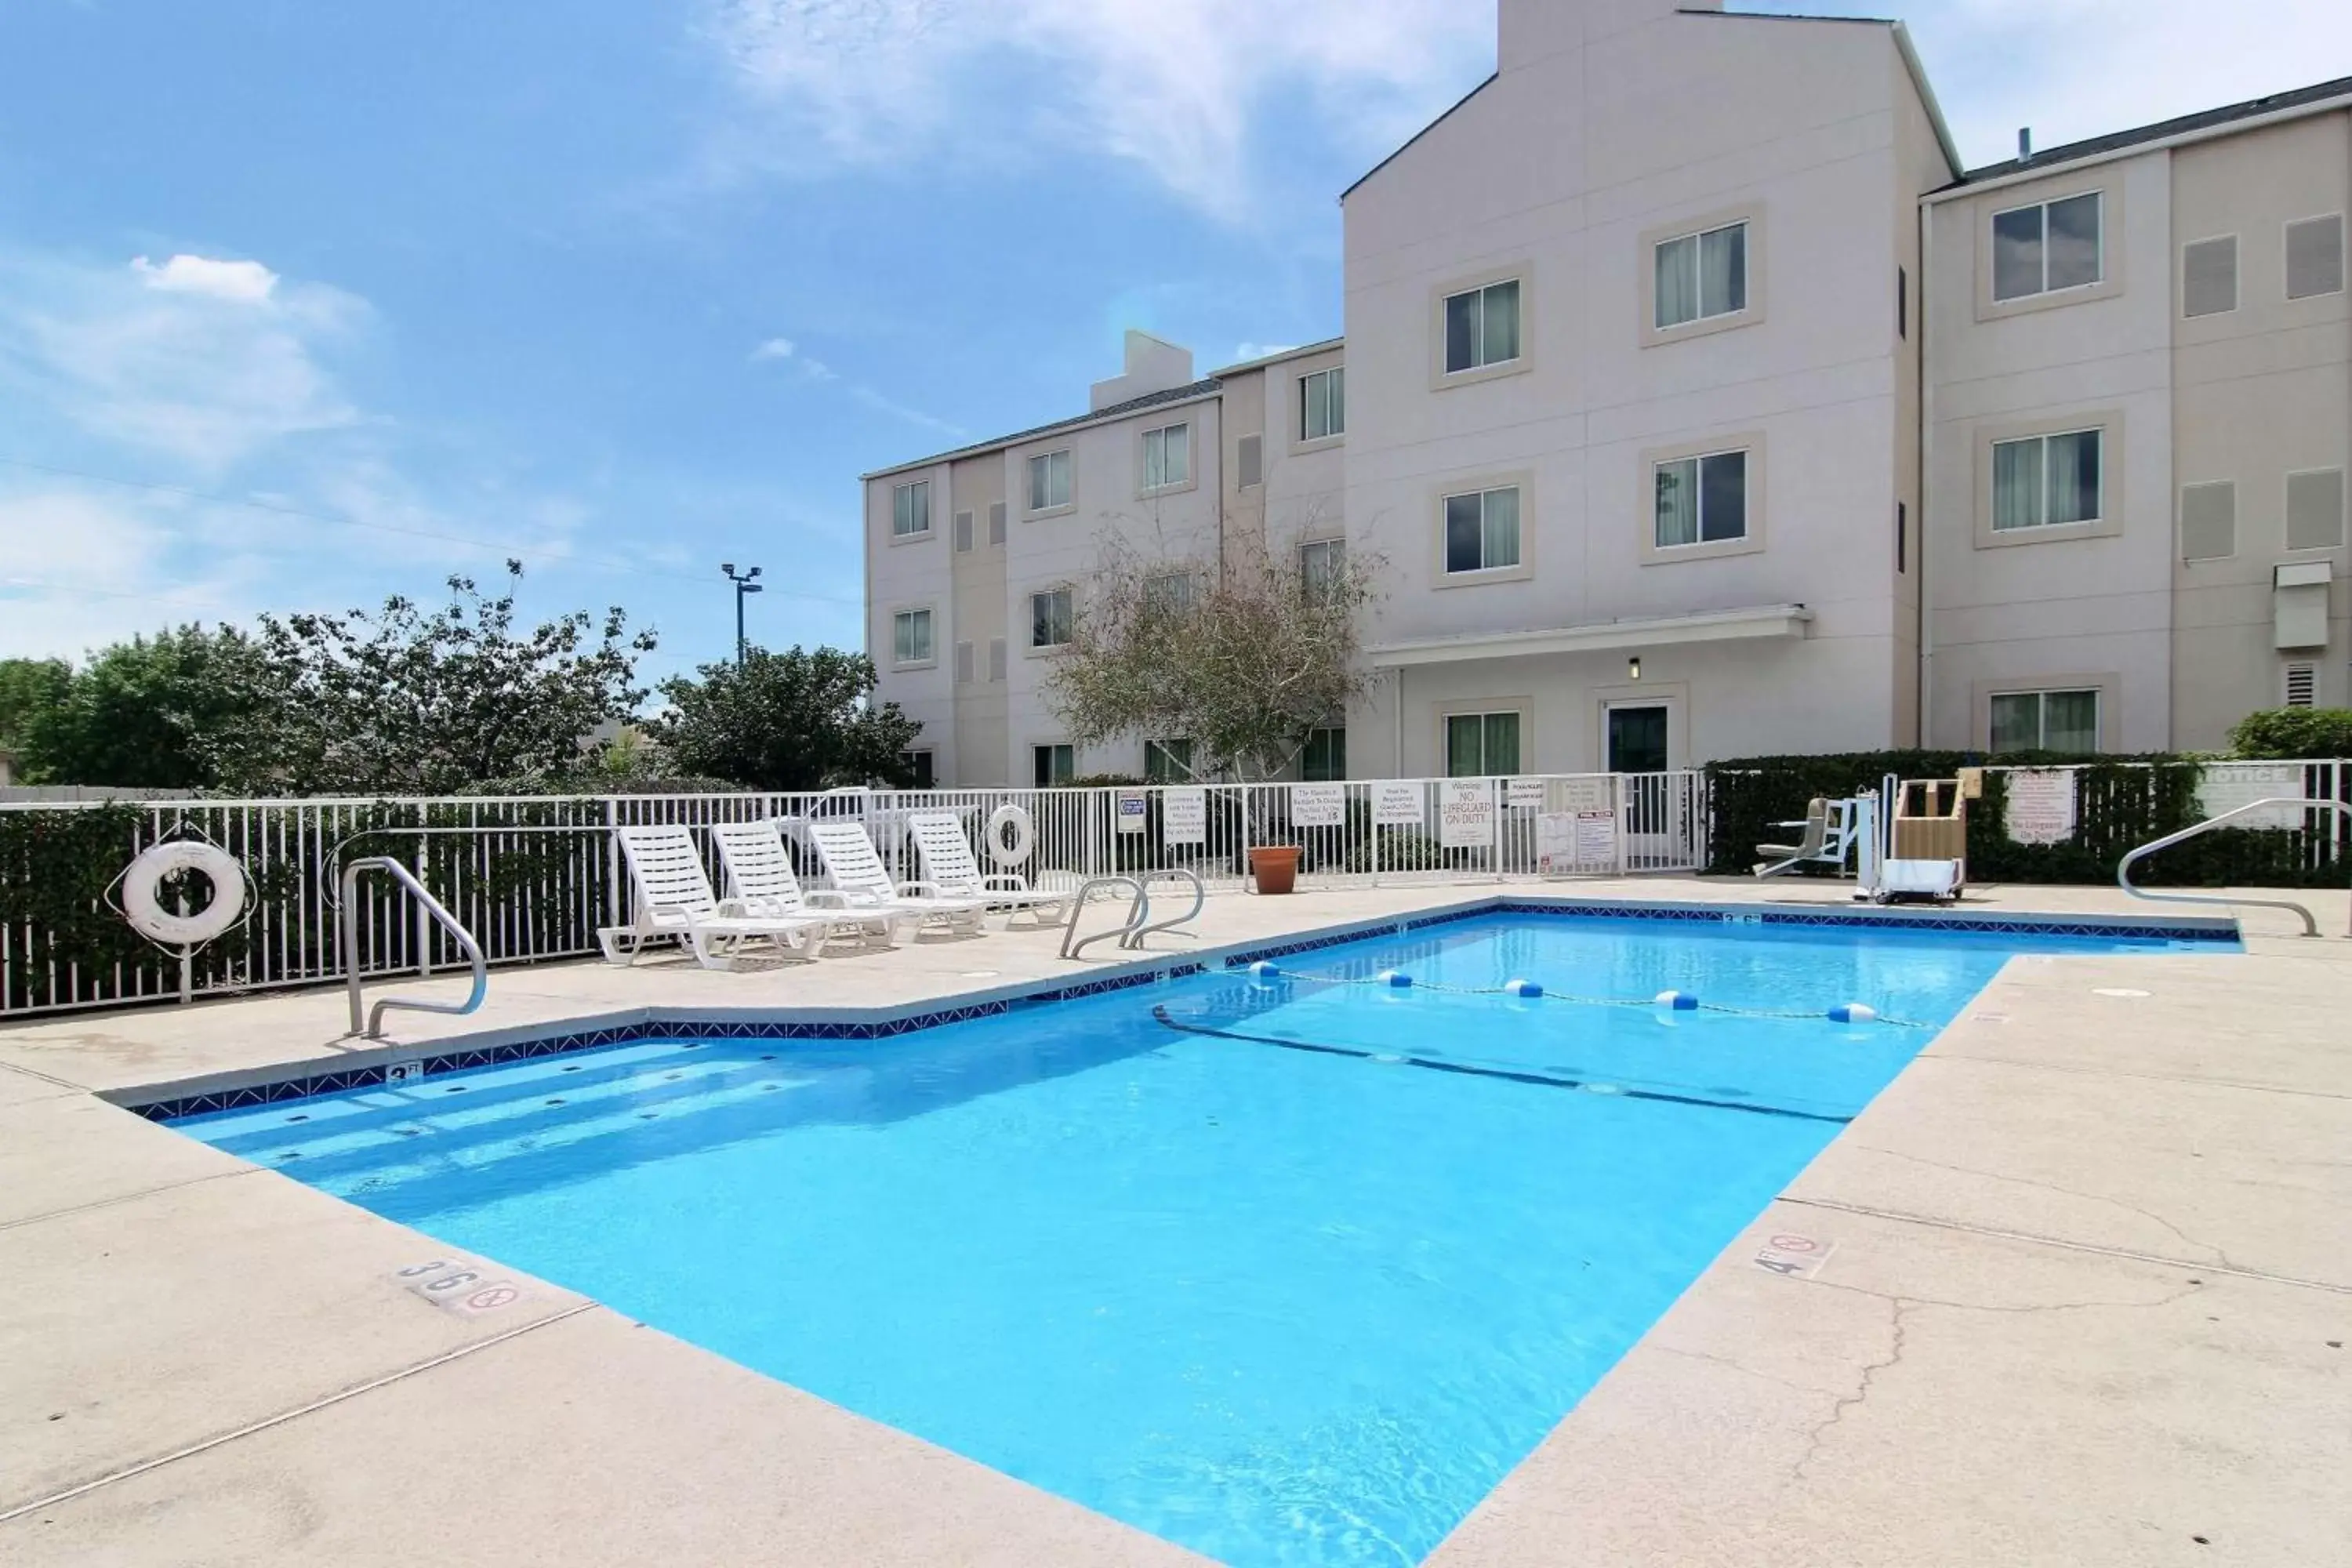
[533,877]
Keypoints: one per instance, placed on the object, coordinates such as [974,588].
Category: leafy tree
[1243,666]
[407,701]
[138,714]
[792,720]
[28,687]
[2294,734]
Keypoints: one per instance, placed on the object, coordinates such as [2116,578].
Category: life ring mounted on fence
[1023,839]
[143,893]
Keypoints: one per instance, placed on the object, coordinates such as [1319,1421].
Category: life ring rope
[143,893]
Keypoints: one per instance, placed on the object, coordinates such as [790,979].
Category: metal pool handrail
[2123,867]
[348,918]
[1137,930]
[1135,915]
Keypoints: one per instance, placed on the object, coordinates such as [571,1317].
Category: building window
[1167,457]
[1482,745]
[1169,594]
[910,509]
[2209,277]
[1049,480]
[1054,766]
[2209,520]
[1049,618]
[2315,509]
[2046,722]
[1325,760]
[2046,482]
[911,637]
[1702,275]
[1702,500]
[1482,531]
[1323,404]
[2315,256]
[2047,248]
[919,768]
[1321,564]
[1482,327]
[1168,761]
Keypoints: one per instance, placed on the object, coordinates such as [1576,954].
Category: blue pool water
[1278,1292]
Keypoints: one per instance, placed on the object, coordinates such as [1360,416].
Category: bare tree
[1242,662]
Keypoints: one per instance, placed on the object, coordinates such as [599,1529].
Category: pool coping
[276,1083]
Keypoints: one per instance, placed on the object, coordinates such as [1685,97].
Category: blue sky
[304,304]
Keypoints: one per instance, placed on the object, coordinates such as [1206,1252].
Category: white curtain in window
[1677,485]
[2073,467]
[2017,721]
[2069,722]
[1723,270]
[1677,282]
[1499,333]
[2017,484]
[1502,529]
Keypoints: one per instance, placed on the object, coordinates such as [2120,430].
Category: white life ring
[1024,836]
[142,886]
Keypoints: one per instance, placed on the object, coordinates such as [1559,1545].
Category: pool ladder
[348,918]
[1138,923]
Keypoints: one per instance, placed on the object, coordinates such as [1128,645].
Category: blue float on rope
[1264,969]
[1396,977]
[1680,1000]
[1522,988]
[1853,1013]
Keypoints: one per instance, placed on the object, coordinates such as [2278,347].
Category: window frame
[1648,333]
[1049,751]
[1322,547]
[1750,442]
[1143,485]
[1516,709]
[2042,695]
[1332,377]
[930,623]
[1696,239]
[1171,768]
[2043,439]
[2107,684]
[929,768]
[1320,773]
[1512,570]
[2098,197]
[2113,258]
[1522,273]
[1069,481]
[909,488]
[1186,600]
[1030,645]
[2113,499]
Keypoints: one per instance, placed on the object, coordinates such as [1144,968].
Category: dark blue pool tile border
[499,1055]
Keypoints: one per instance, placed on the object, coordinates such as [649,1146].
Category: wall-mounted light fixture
[1633,667]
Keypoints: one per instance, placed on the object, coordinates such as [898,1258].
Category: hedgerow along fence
[534,878]
[2081,819]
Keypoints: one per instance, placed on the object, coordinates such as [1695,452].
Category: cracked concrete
[2089,1301]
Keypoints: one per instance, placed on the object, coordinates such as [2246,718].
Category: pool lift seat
[1823,836]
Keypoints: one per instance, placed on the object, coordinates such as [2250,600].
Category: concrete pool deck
[2079,1290]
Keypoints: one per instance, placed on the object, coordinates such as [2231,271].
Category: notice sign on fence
[1587,792]
[2226,786]
[1396,805]
[2041,805]
[1184,816]
[1318,805]
[1132,810]
[1524,794]
[1465,813]
[1596,840]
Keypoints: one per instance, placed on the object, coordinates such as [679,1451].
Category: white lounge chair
[955,872]
[864,885]
[760,882]
[674,901]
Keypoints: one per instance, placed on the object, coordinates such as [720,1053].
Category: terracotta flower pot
[1275,866]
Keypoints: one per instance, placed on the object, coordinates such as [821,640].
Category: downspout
[1926,654]
[1396,768]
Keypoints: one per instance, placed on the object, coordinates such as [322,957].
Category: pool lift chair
[1832,831]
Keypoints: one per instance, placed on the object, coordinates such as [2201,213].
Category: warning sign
[1793,1256]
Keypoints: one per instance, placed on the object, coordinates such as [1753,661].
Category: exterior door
[1651,800]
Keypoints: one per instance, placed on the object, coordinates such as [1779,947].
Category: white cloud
[774,347]
[79,570]
[875,401]
[203,362]
[248,282]
[1171,84]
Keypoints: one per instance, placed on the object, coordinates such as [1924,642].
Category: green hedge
[2118,806]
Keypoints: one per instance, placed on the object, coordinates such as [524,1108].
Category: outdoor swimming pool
[1285,1270]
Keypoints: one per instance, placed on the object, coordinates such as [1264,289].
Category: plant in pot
[1274,867]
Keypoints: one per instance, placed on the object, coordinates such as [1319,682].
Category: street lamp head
[750,588]
[728,567]
[755,571]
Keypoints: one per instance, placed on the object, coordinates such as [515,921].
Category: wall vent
[2209,520]
[1251,461]
[2315,509]
[963,664]
[2315,256]
[2302,685]
[963,532]
[2209,277]
[996,522]
[997,658]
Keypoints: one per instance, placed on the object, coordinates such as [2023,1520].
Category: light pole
[744,585]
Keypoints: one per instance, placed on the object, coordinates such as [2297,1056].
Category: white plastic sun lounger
[674,901]
[760,882]
[864,885]
[953,869]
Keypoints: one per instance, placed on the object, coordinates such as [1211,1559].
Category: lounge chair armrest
[826,898]
[1004,882]
[919,889]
